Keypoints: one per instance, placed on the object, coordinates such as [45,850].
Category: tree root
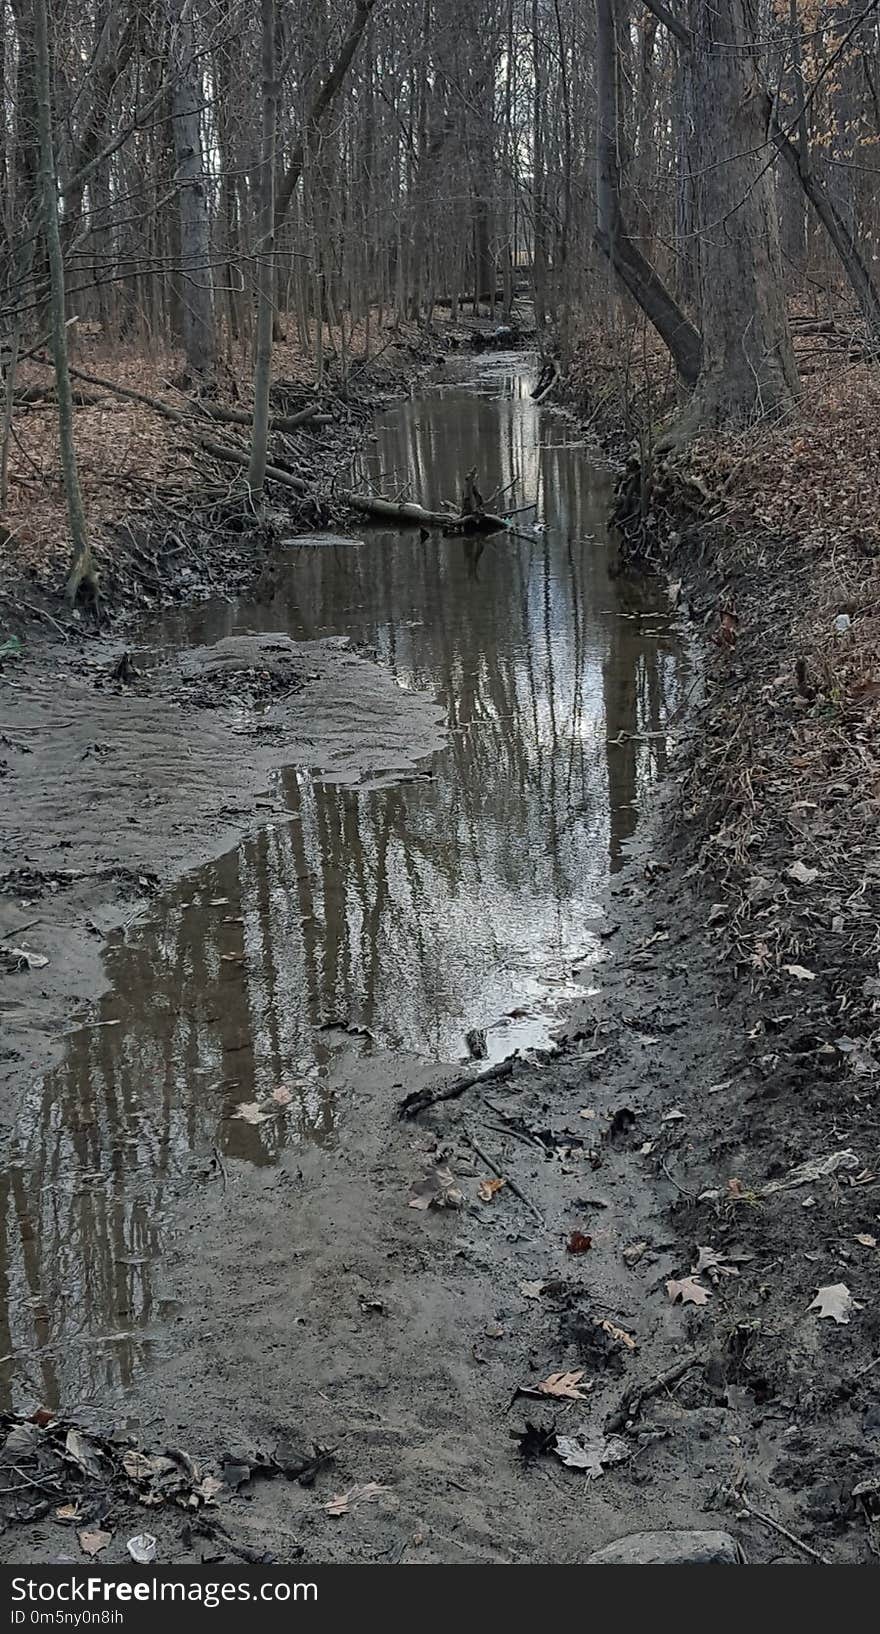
[83,575]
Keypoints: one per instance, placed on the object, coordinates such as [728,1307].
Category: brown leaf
[487,1188]
[567,1386]
[344,1502]
[614,1332]
[578,1243]
[92,1543]
[687,1291]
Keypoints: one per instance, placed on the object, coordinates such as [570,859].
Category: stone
[670,1549]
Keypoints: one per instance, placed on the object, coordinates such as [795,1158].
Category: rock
[670,1549]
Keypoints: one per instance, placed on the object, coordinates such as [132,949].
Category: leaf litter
[69,1471]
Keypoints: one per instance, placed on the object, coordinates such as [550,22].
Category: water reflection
[402,915]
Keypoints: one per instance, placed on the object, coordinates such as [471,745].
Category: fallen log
[201,411]
[406,510]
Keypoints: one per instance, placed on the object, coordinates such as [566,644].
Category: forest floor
[700,1160]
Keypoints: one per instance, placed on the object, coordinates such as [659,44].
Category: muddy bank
[111,789]
[397,1337]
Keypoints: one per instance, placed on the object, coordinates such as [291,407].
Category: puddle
[398,916]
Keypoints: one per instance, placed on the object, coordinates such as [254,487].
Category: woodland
[687,195]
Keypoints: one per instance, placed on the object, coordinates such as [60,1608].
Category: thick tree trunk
[265,253]
[748,368]
[196,295]
[635,273]
[82,570]
[797,157]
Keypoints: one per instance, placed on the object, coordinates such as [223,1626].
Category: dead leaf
[802,874]
[21,958]
[675,1116]
[687,1291]
[800,973]
[436,1190]
[140,1466]
[67,1512]
[634,1252]
[252,1112]
[834,1301]
[578,1243]
[567,1386]
[709,1259]
[817,1168]
[83,1453]
[487,1188]
[587,1112]
[282,1094]
[92,1543]
[865,1238]
[344,1502]
[614,1332]
[532,1290]
[591,1451]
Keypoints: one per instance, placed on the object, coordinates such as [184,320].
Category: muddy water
[387,917]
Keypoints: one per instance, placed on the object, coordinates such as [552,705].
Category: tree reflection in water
[415,911]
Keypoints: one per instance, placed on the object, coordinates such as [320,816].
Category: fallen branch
[510,1184]
[405,510]
[632,1399]
[201,411]
[777,1526]
[421,1099]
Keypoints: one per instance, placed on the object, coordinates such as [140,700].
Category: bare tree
[265,253]
[196,295]
[82,569]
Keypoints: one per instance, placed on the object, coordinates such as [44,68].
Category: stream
[395,917]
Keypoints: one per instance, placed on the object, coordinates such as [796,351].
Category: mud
[209,1237]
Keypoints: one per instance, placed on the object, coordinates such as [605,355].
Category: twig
[420,1099]
[777,1526]
[517,1190]
[673,1182]
[632,1399]
[221,1166]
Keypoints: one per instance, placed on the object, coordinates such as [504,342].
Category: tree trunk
[635,273]
[196,294]
[82,570]
[265,253]
[748,368]
[322,106]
